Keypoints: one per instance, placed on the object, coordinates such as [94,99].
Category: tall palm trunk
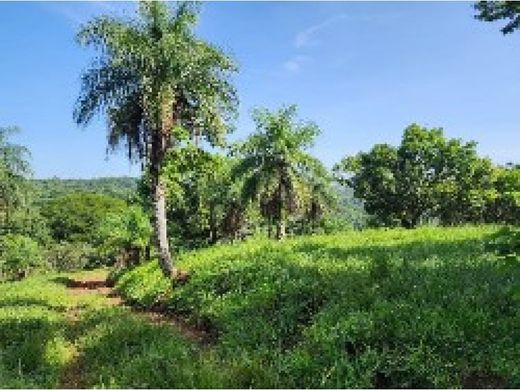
[160,228]
[160,142]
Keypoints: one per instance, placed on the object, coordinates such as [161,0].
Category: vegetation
[276,170]
[490,11]
[428,296]
[116,187]
[80,340]
[14,172]
[427,178]
[394,308]
[157,83]
[76,217]
[18,256]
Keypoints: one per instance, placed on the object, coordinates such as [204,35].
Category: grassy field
[397,308]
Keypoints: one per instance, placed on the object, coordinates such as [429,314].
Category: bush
[66,256]
[18,256]
[506,243]
[124,236]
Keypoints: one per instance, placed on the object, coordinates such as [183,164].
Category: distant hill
[119,187]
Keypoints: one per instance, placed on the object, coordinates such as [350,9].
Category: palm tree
[156,82]
[275,166]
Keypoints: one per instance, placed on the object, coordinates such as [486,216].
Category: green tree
[156,82]
[490,11]
[76,217]
[125,235]
[201,192]
[372,176]
[275,165]
[18,255]
[14,173]
[426,177]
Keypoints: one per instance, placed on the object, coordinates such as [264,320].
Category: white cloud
[295,64]
[309,35]
[77,13]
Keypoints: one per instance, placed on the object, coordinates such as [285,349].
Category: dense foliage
[76,217]
[429,177]
[117,187]
[18,256]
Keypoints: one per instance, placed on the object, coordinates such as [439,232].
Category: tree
[76,217]
[125,235]
[14,173]
[18,255]
[201,193]
[490,11]
[275,165]
[426,177]
[156,82]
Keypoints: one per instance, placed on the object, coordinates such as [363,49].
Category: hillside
[396,308]
[120,187]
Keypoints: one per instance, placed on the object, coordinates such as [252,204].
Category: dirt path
[73,377]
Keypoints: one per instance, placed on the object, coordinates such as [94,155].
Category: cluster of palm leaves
[277,170]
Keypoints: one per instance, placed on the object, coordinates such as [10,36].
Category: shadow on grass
[122,350]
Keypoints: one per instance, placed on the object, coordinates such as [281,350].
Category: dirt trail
[98,285]
[73,375]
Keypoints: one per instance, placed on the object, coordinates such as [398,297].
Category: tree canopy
[509,11]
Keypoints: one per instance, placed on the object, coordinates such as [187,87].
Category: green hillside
[119,187]
[396,308]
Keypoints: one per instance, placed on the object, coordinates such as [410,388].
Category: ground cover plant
[53,336]
[398,308]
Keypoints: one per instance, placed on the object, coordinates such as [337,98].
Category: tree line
[170,100]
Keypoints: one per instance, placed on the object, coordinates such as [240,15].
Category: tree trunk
[280,229]
[160,229]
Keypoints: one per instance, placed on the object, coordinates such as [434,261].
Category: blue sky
[361,71]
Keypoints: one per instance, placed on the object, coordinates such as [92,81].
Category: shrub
[66,256]
[18,256]
[506,243]
[397,308]
[124,235]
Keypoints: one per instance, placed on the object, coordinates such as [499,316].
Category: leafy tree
[372,177]
[18,256]
[201,194]
[490,11]
[156,82]
[503,203]
[125,235]
[275,167]
[76,217]
[427,177]
[14,171]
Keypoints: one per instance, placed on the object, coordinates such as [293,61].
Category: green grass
[48,334]
[399,308]
[395,308]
